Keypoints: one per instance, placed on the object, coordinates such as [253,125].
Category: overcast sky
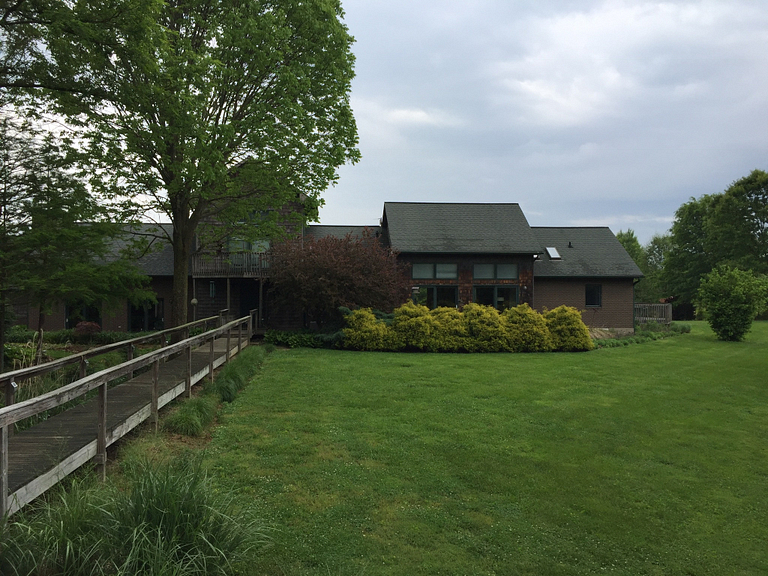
[605,113]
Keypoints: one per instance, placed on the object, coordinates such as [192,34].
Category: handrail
[40,369]
[13,413]
[16,412]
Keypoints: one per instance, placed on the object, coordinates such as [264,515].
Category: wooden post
[130,357]
[229,339]
[155,393]
[10,398]
[188,382]
[239,337]
[210,361]
[4,470]
[83,366]
[10,392]
[229,307]
[101,439]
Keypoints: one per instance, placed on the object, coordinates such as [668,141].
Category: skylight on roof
[553,253]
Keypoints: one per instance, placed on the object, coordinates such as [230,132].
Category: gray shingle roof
[158,260]
[592,252]
[459,228]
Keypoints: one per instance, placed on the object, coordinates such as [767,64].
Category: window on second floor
[505,271]
[435,271]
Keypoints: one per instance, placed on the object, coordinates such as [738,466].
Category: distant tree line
[715,232]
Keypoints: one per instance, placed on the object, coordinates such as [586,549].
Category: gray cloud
[602,113]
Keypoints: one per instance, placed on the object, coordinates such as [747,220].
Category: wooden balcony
[231,265]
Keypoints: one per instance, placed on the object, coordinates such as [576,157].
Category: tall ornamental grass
[169,520]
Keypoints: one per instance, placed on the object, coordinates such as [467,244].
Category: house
[458,253]
[489,254]
[587,268]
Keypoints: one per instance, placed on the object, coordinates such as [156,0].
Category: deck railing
[242,329]
[659,313]
[231,265]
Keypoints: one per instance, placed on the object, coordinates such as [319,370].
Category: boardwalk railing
[11,380]
[659,313]
[240,330]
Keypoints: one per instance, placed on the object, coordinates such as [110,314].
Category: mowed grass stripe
[649,459]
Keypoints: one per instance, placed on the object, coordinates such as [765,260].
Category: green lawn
[647,459]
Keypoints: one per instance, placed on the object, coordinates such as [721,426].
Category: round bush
[526,330]
[731,299]
[568,331]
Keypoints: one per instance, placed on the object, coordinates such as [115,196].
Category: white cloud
[587,65]
[622,220]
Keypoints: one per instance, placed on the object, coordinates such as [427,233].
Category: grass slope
[649,459]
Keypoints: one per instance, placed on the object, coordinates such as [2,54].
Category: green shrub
[485,332]
[293,338]
[365,332]
[60,336]
[680,328]
[568,331]
[731,299]
[526,330]
[450,332]
[415,327]
[19,335]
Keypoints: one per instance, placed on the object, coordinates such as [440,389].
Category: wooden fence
[659,313]
[242,329]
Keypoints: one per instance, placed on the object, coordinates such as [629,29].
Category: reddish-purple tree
[319,276]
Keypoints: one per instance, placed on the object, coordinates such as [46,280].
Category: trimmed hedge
[474,329]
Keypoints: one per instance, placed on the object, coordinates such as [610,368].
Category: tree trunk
[181,252]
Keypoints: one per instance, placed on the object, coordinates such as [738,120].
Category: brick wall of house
[617,300]
[465,281]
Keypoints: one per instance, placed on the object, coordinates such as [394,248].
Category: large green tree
[47,254]
[27,26]
[726,229]
[650,259]
[688,259]
[204,111]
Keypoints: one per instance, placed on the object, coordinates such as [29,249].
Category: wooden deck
[44,454]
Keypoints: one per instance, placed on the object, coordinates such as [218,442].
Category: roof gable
[458,228]
[584,252]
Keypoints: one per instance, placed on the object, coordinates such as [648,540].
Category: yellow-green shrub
[527,330]
[365,332]
[569,333]
[451,330]
[485,332]
[415,327]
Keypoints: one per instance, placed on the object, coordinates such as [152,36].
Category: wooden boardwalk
[42,455]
